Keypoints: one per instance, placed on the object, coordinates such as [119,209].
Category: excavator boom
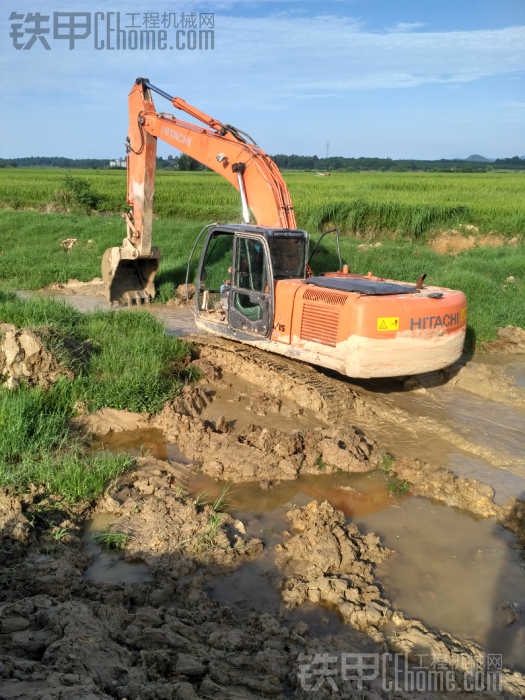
[129,271]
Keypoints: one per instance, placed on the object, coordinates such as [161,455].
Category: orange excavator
[358,325]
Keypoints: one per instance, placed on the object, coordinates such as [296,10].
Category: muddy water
[479,420]
[109,566]
[450,570]
[141,442]
[513,365]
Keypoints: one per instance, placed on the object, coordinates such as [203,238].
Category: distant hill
[480,159]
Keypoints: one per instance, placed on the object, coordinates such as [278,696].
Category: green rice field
[367,203]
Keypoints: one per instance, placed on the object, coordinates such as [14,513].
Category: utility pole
[328,149]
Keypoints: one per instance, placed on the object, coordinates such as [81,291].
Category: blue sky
[387,78]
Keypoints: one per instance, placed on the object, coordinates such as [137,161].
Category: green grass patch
[399,487]
[73,474]
[110,540]
[132,364]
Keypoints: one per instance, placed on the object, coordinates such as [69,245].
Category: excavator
[361,326]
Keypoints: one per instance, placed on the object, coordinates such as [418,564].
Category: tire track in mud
[333,399]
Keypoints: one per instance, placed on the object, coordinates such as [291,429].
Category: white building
[117,163]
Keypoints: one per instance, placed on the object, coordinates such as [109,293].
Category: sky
[384,78]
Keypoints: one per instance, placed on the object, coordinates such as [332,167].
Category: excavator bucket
[127,277]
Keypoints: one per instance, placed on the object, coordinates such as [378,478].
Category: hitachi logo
[176,136]
[433,322]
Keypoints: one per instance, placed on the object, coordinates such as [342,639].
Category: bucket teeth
[129,280]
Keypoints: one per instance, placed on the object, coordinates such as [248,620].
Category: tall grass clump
[361,216]
[34,421]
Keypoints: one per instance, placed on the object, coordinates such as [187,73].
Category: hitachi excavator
[253,282]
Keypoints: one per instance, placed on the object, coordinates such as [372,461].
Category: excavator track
[335,400]
[297,381]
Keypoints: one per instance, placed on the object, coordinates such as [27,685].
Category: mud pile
[165,528]
[37,356]
[95,287]
[251,453]
[179,298]
[510,340]
[439,483]
[266,455]
[331,563]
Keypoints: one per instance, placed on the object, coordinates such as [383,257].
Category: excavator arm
[129,270]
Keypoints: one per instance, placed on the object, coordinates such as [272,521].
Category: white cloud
[287,63]
[406,26]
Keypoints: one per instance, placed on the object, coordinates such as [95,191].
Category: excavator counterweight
[254,284]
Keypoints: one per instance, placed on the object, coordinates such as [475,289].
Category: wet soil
[339,537]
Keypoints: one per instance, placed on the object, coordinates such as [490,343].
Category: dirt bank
[466,237]
[251,453]
[38,356]
[94,287]
[484,380]
[510,340]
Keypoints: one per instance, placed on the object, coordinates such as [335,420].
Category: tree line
[284,162]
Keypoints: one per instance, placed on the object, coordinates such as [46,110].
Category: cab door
[250,307]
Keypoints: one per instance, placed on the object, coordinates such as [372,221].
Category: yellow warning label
[388,324]
[463,314]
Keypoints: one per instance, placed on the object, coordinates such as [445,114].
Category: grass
[399,487]
[409,203]
[31,257]
[221,504]
[363,203]
[73,474]
[110,540]
[132,364]
[388,463]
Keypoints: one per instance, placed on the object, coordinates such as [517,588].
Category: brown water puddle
[451,570]
[141,442]
[108,566]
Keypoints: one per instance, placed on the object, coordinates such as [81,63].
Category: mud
[156,620]
[510,340]
[455,241]
[65,635]
[38,356]
[251,453]
[94,287]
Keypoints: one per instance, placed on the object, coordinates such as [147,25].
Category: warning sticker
[463,314]
[388,324]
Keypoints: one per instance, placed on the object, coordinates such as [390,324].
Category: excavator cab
[235,284]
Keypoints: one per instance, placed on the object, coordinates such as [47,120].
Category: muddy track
[335,399]
[279,376]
